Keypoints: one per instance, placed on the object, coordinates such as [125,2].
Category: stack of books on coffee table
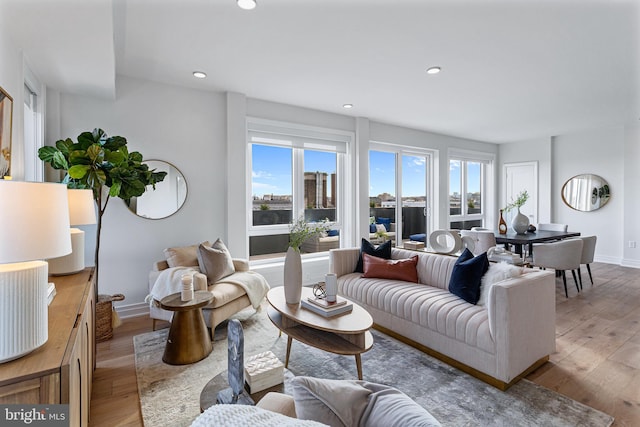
[327,309]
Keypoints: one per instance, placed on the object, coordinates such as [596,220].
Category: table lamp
[34,217]
[82,211]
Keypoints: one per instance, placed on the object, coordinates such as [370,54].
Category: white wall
[631,196]
[600,152]
[182,126]
[536,150]
[613,153]
[12,81]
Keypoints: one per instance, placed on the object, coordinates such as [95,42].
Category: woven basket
[104,316]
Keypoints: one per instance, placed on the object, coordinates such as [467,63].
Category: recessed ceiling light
[433,70]
[347,106]
[199,74]
[247,4]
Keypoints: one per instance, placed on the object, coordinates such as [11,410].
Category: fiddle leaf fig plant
[100,162]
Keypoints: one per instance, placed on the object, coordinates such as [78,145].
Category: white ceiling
[511,70]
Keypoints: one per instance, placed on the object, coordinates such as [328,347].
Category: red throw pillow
[394,269]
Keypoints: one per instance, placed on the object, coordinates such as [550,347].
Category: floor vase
[292,276]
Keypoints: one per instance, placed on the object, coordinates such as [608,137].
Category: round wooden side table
[188,340]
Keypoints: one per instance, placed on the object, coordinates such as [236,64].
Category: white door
[518,177]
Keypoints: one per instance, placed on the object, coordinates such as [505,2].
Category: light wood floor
[597,361]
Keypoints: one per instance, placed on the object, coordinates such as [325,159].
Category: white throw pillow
[380,228]
[497,272]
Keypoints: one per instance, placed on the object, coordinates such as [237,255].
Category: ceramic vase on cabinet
[292,277]
[520,223]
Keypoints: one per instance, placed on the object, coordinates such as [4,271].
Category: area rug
[170,395]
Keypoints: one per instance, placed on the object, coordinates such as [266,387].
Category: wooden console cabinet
[60,371]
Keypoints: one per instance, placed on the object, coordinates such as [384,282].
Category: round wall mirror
[166,199]
[586,192]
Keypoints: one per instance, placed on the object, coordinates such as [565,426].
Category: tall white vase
[520,223]
[292,277]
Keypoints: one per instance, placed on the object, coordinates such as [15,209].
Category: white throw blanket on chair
[169,282]
[253,283]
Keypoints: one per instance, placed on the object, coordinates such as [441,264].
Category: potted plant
[299,231]
[520,222]
[105,165]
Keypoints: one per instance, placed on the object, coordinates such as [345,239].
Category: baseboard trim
[501,385]
[633,263]
[133,310]
[608,259]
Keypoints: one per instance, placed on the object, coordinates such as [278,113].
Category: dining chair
[588,251]
[550,227]
[561,256]
[478,241]
[553,227]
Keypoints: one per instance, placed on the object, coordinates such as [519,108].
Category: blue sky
[473,177]
[382,175]
[272,171]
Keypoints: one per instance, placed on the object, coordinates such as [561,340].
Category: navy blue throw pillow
[372,228]
[333,233]
[383,251]
[466,276]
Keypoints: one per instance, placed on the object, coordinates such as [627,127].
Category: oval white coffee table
[346,334]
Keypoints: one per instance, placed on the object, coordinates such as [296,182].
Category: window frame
[300,138]
[405,150]
[486,161]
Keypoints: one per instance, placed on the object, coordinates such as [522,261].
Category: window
[294,173]
[399,178]
[33,135]
[467,184]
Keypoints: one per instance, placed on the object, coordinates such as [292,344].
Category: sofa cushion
[467,274]
[382,251]
[427,307]
[497,272]
[372,228]
[332,233]
[386,222]
[394,269]
[215,261]
[183,256]
[223,293]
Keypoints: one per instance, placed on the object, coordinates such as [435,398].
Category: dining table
[529,238]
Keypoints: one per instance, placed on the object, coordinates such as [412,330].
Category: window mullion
[298,182]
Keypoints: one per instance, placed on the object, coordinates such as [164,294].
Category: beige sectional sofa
[499,342]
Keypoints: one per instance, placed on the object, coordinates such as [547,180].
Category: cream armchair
[237,291]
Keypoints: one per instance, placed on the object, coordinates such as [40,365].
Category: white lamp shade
[82,209]
[35,221]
